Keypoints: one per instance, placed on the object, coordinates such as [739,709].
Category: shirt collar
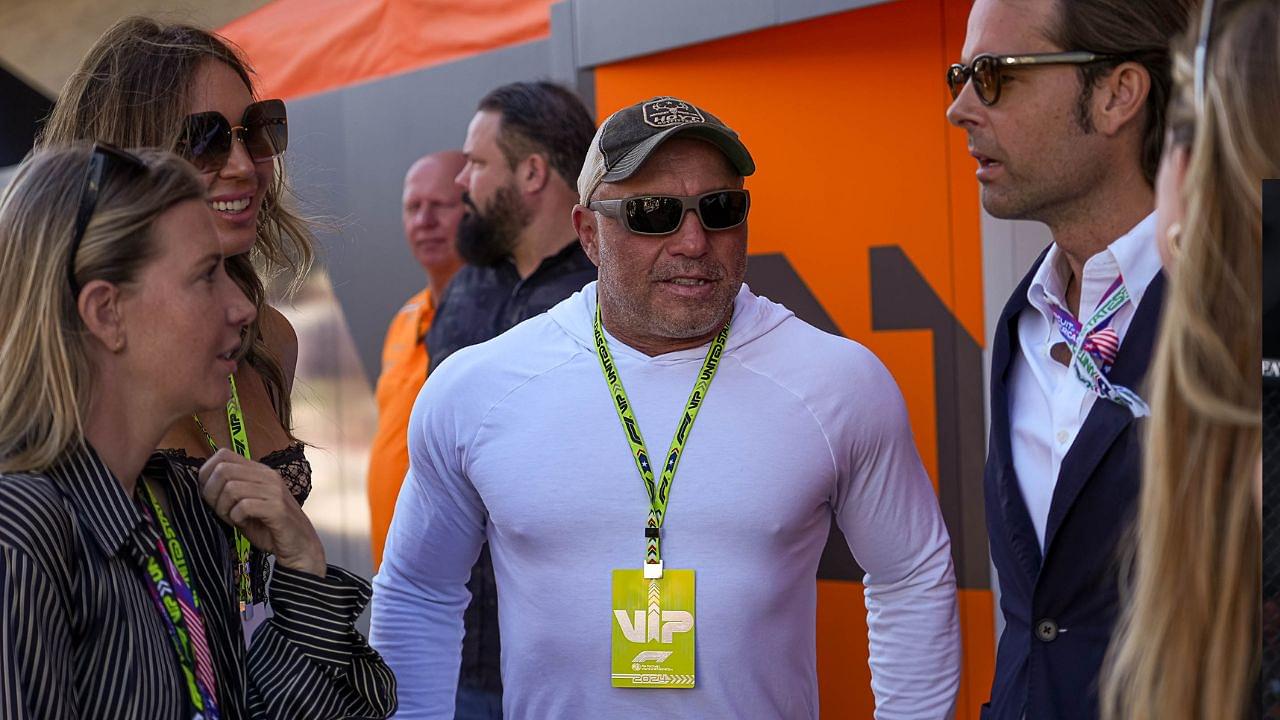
[424,313]
[1133,255]
[1138,258]
[113,521]
[566,255]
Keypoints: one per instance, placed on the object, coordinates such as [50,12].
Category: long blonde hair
[1187,645]
[132,90]
[45,373]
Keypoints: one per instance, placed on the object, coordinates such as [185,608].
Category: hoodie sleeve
[888,510]
[435,537]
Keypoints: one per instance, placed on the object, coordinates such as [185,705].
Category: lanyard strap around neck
[240,443]
[1073,331]
[1084,363]
[659,492]
[169,584]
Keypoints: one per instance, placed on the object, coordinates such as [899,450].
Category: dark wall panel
[22,108]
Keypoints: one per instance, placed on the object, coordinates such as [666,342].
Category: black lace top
[291,463]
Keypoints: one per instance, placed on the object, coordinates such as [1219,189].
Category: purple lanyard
[176,601]
[1070,327]
[1101,345]
[1094,345]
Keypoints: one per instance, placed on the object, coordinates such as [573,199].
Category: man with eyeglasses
[1063,102]
[643,582]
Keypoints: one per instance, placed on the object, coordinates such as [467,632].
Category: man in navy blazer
[1063,102]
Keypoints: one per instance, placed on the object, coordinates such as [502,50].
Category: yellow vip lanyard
[239,443]
[659,492]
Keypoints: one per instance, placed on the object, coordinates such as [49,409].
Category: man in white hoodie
[625,593]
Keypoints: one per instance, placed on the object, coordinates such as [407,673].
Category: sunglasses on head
[1202,53]
[103,160]
[663,214]
[207,137]
[985,70]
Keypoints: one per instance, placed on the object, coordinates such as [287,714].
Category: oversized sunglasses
[663,214]
[103,160]
[207,137]
[984,70]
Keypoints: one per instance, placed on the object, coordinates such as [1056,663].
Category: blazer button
[1047,630]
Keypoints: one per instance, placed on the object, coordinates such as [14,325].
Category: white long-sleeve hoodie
[516,441]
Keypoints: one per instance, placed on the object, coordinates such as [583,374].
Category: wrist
[311,562]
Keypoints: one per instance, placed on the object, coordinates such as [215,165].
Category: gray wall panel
[349,152]
[610,30]
[795,10]
[564,55]
[1008,249]
[565,68]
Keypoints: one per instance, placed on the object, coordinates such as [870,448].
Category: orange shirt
[404,369]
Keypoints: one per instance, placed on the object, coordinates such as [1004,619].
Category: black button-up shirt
[80,636]
[479,304]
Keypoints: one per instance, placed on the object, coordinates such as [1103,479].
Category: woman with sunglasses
[116,594]
[182,88]
[1188,640]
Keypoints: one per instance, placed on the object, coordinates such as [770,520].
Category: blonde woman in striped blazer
[116,596]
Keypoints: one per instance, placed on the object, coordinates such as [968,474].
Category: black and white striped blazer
[81,638]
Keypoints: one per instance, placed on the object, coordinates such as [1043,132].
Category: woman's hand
[252,497]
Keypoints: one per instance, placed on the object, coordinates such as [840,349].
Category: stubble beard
[1055,199]
[1059,187]
[638,314]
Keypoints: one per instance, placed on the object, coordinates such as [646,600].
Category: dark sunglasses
[985,70]
[207,137]
[663,214]
[103,159]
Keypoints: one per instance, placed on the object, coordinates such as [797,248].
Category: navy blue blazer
[1059,610]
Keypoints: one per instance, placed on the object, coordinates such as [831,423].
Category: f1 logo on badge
[651,656]
[673,621]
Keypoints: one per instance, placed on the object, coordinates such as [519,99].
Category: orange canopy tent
[303,47]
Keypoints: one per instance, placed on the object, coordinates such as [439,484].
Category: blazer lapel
[1022,534]
[1107,419]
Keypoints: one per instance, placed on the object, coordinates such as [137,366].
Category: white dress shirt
[1047,402]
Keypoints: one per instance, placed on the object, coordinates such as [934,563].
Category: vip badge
[653,630]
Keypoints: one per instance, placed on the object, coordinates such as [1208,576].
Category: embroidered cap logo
[668,112]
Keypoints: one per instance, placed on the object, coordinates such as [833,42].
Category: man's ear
[1120,97]
[99,308]
[584,224]
[532,174]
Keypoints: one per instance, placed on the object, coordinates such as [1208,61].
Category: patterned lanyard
[169,583]
[240,441]
[659,493]
[1093,345]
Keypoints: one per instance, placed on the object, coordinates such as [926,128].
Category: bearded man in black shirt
[524,151]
